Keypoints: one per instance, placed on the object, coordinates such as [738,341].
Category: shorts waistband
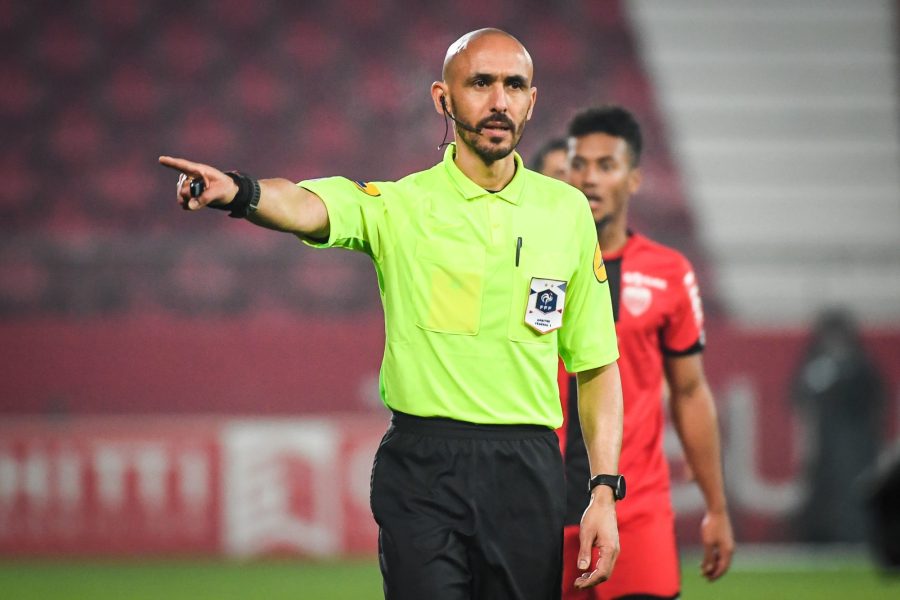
[443,426]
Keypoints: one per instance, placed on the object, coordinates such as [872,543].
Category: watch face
[620,488]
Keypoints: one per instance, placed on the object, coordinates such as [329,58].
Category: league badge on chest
[546,302]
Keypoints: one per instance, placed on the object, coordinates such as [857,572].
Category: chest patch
[636,299]
[546,303]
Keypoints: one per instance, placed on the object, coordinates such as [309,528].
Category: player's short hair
[612,120]
[537,163]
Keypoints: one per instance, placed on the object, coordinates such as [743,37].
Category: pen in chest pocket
[518,249]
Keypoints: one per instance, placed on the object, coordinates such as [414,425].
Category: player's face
[600,166]
[490,90]
[556,165]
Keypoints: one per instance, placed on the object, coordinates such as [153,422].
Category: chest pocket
[450,287]
[543,265]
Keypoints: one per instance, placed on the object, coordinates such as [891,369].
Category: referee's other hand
[218,188]
[598,530]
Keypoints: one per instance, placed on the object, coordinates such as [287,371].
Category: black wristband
[616,482]
[246,200]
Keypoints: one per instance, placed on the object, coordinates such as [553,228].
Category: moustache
[498,119]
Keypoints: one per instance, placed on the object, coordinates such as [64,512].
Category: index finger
[710,557]
[182,165]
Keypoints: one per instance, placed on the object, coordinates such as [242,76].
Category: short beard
[489,155]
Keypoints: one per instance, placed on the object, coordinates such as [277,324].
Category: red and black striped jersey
[658,313]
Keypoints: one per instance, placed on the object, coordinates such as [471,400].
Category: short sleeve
[682,334]
[355,213]
[587,338]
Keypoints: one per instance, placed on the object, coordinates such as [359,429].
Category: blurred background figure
[884,509]
[552,159]
[657,307]
[840,394]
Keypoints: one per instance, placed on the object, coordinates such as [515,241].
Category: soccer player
[552,159]
[659,324]
[486,272]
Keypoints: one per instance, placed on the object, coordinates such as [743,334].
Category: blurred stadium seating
[95,90]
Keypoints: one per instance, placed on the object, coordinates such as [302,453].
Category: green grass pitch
[360,580]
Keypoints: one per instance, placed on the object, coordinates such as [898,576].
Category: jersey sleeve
[587,338]
[682,333]
[355,213]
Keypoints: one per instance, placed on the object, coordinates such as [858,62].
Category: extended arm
[600,412]
[283,206]
[694,417]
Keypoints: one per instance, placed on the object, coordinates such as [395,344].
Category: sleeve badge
[599,265]
[368,188]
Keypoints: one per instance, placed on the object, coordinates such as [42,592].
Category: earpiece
[447,112]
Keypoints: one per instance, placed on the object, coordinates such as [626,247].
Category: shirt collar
[630,239]
[470,190]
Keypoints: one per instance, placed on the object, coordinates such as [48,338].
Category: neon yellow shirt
[459,269]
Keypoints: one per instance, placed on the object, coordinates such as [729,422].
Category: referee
[487,272]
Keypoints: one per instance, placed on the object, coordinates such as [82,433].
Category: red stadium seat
[133,93]
[65,48]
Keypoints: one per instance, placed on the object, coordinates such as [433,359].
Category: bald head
[489,39]
[487,91]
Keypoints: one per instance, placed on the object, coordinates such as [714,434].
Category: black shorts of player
[467,511]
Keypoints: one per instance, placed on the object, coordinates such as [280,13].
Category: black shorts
[468,511]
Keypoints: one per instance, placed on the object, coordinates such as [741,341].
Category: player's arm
[694,417]
[283,206]
[600,413]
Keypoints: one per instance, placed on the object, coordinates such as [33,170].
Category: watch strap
[616,482]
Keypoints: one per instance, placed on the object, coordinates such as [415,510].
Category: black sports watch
[616,482]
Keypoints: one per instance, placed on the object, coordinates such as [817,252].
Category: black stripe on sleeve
[695,348]
[614,277]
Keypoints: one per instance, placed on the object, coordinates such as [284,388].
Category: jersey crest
[636,299]
[546,302]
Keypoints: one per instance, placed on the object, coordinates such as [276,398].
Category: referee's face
[490,89]
[600,166]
